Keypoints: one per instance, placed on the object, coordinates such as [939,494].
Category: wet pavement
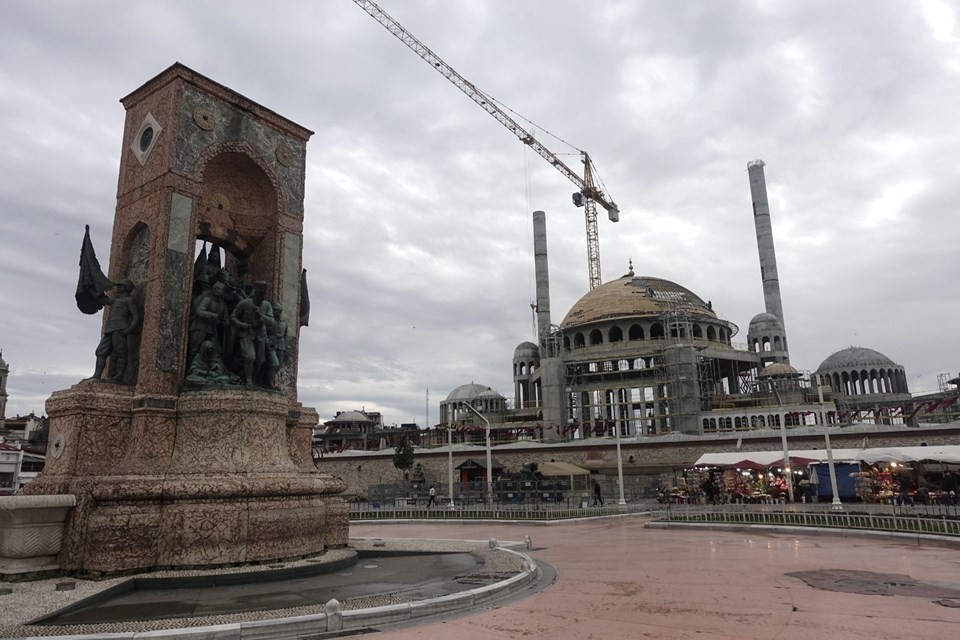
[618,579]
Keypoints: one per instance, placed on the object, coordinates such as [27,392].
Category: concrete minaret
[542,273]
[551,373]
[768,257]
[4,372]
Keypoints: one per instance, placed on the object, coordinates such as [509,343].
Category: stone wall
[642,462]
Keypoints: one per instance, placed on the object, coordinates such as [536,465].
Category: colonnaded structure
[195,450]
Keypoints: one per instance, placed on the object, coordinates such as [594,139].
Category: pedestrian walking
[433,497]
[597,495]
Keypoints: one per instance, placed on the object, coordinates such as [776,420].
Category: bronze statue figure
[253,318]
[208,320]
[124,318]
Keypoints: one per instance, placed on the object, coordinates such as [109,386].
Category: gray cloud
[417,237]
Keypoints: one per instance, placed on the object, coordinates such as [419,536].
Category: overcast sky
[418,236]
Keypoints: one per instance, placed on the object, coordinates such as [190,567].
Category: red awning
[747,464]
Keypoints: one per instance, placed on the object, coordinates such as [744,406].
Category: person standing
[949,487]
[597,494]
[433,498]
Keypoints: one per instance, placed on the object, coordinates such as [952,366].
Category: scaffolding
[658,391]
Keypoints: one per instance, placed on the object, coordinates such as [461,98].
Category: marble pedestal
[203,479]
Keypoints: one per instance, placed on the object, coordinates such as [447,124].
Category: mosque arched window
[776,343]
[532,367]
[635,332]
[656,331]
[697,331]
[578,340]
[766,343]
[596,337]
[566,343]
[615,335]
[623,365]
[711,333]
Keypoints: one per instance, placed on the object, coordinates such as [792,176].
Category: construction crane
[587,196]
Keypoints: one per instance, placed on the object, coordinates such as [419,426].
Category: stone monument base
[206,479]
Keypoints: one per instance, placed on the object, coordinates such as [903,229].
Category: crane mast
[587,196]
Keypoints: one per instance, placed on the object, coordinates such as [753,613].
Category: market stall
[898,475]
[909,475]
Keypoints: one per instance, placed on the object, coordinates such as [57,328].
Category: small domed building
[485,400]
[858,371]
[865,383]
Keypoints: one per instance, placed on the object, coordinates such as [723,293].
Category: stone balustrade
[31,530]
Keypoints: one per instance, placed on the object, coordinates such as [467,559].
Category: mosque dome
[635,296]
[525,351]
[779,370]
[765,323]
[490,394]
[350,417]
[469,391]
[855,358]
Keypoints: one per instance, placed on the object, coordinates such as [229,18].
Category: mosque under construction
[642,356]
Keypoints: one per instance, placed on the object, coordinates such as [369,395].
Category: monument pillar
[184,462]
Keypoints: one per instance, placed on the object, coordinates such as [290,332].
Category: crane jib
[589,194]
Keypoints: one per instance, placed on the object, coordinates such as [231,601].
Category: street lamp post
[619,464]
[826,435]
[453,505]
[486,423]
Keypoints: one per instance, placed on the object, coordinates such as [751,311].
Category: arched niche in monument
[238,211]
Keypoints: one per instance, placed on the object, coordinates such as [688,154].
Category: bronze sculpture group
[236,336]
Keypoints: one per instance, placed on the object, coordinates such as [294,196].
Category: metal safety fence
[400,510]
[929,520]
